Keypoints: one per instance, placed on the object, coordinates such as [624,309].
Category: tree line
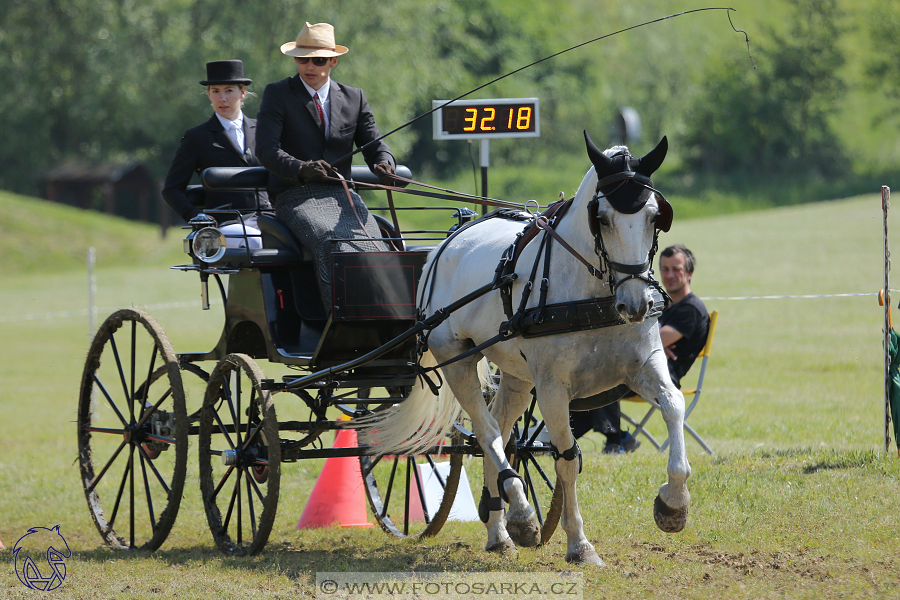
[117,80]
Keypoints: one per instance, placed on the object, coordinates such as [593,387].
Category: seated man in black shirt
[683,327]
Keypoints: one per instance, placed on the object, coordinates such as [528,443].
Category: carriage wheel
[132,432]
[240,457]
[396,487]
[537,469]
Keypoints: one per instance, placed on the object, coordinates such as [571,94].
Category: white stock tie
[237,134]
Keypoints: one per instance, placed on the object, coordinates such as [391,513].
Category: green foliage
[116,80]
[884,68]
[774,120]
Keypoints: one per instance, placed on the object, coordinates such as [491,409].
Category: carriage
[142,405]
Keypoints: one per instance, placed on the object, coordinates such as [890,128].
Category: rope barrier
[709,298]
[68,314]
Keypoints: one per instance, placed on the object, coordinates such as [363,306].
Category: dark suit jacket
[209,145]
[288,131]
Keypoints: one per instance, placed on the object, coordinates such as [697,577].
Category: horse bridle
[662,222]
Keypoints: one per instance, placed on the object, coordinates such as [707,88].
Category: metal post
[485,163]
[885,205]
[92,315]
[92,291]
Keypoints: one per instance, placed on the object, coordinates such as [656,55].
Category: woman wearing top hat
[227,139]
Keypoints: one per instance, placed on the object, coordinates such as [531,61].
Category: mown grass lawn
[799,501]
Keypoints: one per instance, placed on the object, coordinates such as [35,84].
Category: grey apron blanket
[321,218]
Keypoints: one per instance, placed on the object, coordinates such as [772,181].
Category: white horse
[627,214]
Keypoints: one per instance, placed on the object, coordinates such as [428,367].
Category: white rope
[708,298]
[68,314]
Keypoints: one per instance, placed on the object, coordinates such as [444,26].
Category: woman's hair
[689,260]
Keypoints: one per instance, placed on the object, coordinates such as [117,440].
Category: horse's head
[625,217]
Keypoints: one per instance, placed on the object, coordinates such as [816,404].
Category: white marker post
[885,205]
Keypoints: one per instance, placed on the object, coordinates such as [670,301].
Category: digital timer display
[474,119]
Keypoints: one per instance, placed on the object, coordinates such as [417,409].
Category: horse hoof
[522,526]
[670,520]
[588,557]
[505,547]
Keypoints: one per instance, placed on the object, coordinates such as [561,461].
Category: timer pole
[485,163]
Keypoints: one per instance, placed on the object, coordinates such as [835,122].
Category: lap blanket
[321,218]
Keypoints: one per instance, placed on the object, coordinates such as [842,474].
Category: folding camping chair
[639,426]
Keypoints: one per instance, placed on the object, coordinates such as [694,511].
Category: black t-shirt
[688,317]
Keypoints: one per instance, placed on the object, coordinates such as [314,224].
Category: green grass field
[799,501]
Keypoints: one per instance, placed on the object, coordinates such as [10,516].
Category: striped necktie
[321,112]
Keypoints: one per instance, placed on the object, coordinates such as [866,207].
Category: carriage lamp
[208,244]
[463,216]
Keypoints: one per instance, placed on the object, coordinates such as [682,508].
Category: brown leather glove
[315,169]
[385,172]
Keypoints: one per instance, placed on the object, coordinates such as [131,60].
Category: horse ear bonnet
[629,167]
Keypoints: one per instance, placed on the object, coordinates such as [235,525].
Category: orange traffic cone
[338,497]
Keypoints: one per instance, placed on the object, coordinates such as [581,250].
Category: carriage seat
[279,244]
[276,236]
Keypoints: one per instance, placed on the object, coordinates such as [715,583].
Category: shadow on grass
[299,562]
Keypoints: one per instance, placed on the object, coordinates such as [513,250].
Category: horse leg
[554,403]
[509,403]
[521,520]
[670,509]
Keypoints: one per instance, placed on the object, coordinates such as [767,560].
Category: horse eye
[604,221]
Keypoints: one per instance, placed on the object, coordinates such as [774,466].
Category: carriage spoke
[406,506]
[534,498]
[145,388]
[132,370]
[250,502]
[256,489]
[109,399]
[251,435]
[131,494]
[435,471]
[162,482]
[90,487]
[371,466]
[240,510]
[420,489]
[146,414]
[234,494]
[112,519]
[222,427]
[541,472]
[222,482]
[387,495]
[229,394]
[147,491]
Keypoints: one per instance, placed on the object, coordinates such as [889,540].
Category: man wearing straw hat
[305,124]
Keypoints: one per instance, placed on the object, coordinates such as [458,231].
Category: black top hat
[225,71]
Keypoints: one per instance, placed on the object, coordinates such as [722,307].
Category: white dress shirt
[234,129]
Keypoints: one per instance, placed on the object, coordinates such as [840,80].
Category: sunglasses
[319,61]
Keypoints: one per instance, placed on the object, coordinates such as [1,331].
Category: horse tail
[415,424]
